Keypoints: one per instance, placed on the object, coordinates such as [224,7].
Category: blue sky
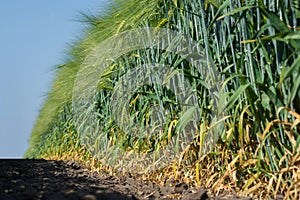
[34,36]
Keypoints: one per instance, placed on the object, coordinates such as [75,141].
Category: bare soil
[55,179]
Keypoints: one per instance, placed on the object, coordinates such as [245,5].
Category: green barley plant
[254,46]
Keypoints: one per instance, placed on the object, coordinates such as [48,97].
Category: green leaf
[293,35]
[185,118]
[295,89]
[175,2]
[293,69]
[297,12]
[293,38]
[236,96]
[271,94]
[278,36]
[261,4]
[275,21]
[221,8]
[236,11]
[108,71]
[265,101]
[213,2]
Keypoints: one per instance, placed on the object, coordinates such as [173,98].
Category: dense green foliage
[254,45]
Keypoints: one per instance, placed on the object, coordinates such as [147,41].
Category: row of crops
[202,91]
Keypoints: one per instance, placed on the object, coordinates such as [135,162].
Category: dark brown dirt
[53,179]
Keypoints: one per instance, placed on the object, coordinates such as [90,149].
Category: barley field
[252,147]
